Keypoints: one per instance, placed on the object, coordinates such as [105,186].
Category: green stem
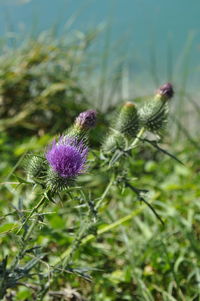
[28,233]
[79,240]
[137,139]
[39,204]
[104,193]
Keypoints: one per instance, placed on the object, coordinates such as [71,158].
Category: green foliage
[40,85]
[133,256]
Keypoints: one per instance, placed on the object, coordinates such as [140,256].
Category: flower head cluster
[67,157]
[86,120]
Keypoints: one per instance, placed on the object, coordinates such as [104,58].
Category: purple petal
[67,157]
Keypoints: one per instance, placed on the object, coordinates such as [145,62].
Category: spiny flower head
[67,157]
[127,121]
[155,112]
[125,126]
[86,120]
[113,142]
[35,166]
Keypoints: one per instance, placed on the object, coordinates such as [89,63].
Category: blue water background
[165,31]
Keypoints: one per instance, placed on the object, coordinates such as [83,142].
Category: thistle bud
[114,142]
[86,120]
[36,167]
[126,125]
[127,121]
[83,123]
[154,113]
[165,92]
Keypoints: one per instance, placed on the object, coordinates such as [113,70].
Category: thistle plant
[54,175]
[51,172]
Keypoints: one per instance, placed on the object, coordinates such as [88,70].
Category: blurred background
[147,32]
[129,47]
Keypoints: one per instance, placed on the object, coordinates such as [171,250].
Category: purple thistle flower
[86,119]
[67,157]
[166,90]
